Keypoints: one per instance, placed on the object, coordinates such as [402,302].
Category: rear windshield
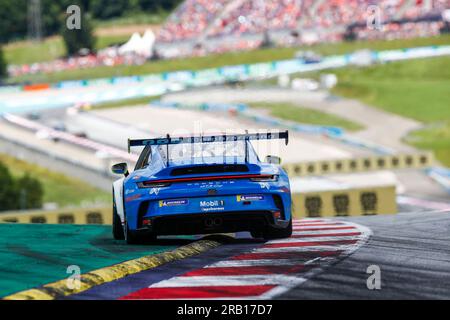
[199,153]
[185,152]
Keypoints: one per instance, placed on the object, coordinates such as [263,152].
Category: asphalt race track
[326,259]
[244,268]
[412,251]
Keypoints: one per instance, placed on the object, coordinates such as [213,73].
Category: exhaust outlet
[209,222]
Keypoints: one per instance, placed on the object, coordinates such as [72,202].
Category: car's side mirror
[120,168]
[273,160]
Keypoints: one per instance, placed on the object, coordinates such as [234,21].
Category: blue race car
[202,185]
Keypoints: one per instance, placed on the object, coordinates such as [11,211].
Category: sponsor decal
[128,191]
[154,191]
[175,202]
[264,185]
[213,209]
[212,205]
[250,197]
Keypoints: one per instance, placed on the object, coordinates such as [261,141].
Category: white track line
[315,239]
[304,249]
[302,232]
[325,227]
[259,262]
[208,281]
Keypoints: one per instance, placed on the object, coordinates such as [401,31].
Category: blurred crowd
[332,13]
[191,18]
[197,18]
[106,57]
[200,27]
[392,31]
[258,16]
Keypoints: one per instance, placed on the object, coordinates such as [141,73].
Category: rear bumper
[201,223]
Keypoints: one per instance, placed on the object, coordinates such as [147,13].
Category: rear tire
[256,234]
[133,237]
[274,233]
[117,228]
[130,236]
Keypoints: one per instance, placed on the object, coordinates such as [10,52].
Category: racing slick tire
[130,236]
[133,237]
[117,228]
[273,233]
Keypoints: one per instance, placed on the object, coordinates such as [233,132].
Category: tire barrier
[385,162]
[101,215]
[343,203]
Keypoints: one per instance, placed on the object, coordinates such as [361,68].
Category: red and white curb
[269,270]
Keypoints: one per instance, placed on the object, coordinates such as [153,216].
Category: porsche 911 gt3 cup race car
[202,185]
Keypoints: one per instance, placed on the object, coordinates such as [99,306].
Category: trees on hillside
[8,194]
[13,13]
[25,192]
[30,192]
[3,72]
[13,19]
[77,39]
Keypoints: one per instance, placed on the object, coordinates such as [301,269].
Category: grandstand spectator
[190,19]
[217,26]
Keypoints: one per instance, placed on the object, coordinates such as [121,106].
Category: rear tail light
[277,215]
[147,222]
[167,182]
[150,184]
[265,178]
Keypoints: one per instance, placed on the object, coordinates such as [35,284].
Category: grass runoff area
[36,254]
[288,111]
[417,89]
[25,52]
[125,103]
[58,188]
[29,52]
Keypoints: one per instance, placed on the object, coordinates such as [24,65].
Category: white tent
[147,43]
[142,46]
[132,45]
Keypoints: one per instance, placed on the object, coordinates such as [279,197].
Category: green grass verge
[125,103]
[291,112]
[435,137]
[58,188]
[418,89]
[134,19]
[25,52]
[32,255]
[217,60]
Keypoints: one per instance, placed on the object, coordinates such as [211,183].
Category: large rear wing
[168,140]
